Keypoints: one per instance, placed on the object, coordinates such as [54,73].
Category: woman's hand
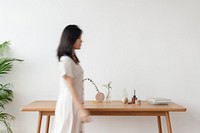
[84,115]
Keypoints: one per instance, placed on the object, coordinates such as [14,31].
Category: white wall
[148,45]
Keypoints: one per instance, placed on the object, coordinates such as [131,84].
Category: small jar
[138,102]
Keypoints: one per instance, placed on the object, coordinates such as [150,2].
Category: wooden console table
[115,108]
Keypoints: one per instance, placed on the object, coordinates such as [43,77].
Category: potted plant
[99,96]
[6,94]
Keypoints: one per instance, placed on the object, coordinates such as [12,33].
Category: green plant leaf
[4,47]
[6,65]
[108,85]
[6,118]
[6,94]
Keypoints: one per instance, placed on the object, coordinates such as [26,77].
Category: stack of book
[158,100]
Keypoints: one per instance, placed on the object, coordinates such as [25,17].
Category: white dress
[66,115]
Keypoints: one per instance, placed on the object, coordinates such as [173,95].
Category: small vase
[99,96]
[108,96]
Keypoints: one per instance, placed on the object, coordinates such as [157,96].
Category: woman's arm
[83,114]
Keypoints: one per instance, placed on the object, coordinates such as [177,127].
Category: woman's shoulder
[65,58]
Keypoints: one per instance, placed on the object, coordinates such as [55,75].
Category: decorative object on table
[138,102]
[99,96]
[134,97]
[124,96]
[6,94]
[158,100]
[124,100]
[108,96]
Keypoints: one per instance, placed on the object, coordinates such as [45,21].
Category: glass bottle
[124,96]
[108,96]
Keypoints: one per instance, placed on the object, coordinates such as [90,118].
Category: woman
[70,113]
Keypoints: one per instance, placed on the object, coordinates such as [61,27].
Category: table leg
[47,124]
[169,128]
[159,124]
[39,122]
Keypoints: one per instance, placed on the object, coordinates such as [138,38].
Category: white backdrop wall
[148,45]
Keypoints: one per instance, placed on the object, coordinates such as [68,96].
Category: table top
[49,106]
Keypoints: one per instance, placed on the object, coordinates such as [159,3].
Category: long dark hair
[70,34]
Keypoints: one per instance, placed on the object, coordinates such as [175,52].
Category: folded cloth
[158,100]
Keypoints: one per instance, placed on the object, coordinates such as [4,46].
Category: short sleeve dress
[66,115]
